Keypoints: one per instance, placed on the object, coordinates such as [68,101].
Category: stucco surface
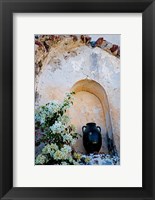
[64,67]
[87,108]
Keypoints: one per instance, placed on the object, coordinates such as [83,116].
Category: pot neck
[91,124]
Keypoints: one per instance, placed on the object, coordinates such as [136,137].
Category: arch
[96,89]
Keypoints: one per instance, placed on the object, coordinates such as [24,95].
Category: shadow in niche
[96,89]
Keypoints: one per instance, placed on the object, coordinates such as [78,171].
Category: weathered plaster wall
[64,67]
[87,108]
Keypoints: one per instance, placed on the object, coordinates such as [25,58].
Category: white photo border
[129,173]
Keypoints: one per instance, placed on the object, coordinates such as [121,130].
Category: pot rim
[91,123]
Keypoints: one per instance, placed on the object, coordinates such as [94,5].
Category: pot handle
[83,128]
[98,127]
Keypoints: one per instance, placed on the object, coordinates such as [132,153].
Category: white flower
[53,122]
[64,119]
[67,137]
[54,146]
[70,159]
[64,155]
[77,156]
[57,127]
[58,155]
[50,149]
[87,159]
[41,159]
[54,107]
[46,149]
[75,163]
[66,149]
[64,163]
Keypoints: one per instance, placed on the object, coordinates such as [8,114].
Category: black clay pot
[92,139]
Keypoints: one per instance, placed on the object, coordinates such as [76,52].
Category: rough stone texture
[101,159]
[68,63]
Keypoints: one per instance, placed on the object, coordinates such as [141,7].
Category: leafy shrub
[58,134]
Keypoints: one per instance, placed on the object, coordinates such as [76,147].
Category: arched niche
[92,93]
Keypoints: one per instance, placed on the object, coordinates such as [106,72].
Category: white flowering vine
[58,135]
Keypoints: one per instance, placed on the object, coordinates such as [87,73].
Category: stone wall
[98,100]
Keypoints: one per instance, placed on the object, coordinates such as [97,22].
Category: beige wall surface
[94,75]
